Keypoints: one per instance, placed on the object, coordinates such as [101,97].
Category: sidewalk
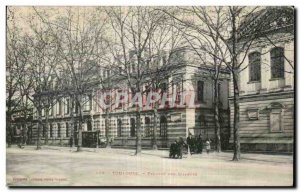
[225,156]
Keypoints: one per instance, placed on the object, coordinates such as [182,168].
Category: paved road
[120,167]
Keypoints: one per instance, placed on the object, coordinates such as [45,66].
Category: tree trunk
[154,144]
[9,131]
[72,122]
[107,129]
[138,133]
[236,119]
[236,98]
[79,144]
[46,125]
[40,124]
[217,115]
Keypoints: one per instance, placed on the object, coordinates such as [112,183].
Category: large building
[172,122]
[267,84]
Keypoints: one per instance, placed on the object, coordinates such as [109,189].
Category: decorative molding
[176,117]
[253,113]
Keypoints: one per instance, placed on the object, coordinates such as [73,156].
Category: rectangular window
[277,62]
[87,103]
[51,130]
[44,131]
[119,127]
[200,90]
[51,110]
[59,107]
[254,66]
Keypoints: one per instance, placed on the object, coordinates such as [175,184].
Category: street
[59,166]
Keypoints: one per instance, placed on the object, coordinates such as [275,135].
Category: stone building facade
[172,122]
[267,86]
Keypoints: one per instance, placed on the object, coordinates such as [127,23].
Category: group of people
[196,144]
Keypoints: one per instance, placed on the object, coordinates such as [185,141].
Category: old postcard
[150,96]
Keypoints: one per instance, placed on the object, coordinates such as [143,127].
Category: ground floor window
[51,130]
[67,129]
[44,130]
[119,127]
[132,127]
[148,130]
[58,130]
[163,126]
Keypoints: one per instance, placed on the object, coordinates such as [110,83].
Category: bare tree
[230,42]
[18,82]
[43,63]
[207,45]
[142,44]
[78,34]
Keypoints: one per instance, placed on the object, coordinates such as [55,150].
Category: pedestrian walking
[207,145]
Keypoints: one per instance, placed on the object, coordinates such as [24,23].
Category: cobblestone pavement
[62,166]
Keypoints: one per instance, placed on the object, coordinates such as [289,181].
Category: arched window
[132,127]
[277,62]
[148,131]
[254,66]
[163,126]
[119,127]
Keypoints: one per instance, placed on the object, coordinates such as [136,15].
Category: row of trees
[68,52]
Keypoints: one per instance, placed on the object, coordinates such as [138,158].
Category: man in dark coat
[71,142]
[199,144]
[190,141]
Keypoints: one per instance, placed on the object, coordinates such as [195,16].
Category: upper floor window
[67,105]
[254,66]
[51,109]
[277,62]
[87,105]
[59,107]
[200,88]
